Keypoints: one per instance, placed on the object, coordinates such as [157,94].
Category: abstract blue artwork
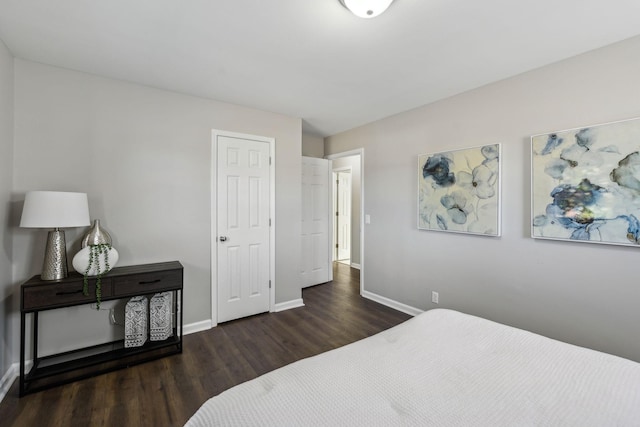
[585,184]
[459,191]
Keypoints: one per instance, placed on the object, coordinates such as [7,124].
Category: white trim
[7,380]
[272,216]
[345,154]
[356,266]
[213,285]
[330,221]
[393,304]
[192,328]
[272,219]
[356,152]
[205,325]
[288,305]
[342,169]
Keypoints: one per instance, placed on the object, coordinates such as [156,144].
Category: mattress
[441,368]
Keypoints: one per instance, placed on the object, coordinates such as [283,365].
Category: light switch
[367,219]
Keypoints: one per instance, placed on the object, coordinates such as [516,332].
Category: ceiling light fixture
[366,8]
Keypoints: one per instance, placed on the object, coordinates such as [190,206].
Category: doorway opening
[348,166]
[342,218]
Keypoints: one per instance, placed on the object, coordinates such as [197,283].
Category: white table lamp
[55,209]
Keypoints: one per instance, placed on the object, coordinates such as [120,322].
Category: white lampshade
[55,209]
[367,8]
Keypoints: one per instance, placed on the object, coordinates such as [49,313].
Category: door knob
[223,238]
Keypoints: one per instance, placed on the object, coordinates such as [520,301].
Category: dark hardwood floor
[168,391]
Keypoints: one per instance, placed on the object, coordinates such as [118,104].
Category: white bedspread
[441,368]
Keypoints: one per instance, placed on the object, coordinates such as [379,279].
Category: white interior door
[343,215]
[315,258]
[243,211]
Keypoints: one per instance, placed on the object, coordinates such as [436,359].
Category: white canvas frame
[466,198]
[585,184]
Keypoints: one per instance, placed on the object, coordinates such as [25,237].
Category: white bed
[441,368]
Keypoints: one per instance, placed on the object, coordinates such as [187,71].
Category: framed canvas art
[459,191]
[585,184]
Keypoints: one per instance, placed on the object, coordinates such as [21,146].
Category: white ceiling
[311,58]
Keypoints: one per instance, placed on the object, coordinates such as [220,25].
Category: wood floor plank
[166,392]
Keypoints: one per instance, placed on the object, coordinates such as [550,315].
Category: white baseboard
[7,380]
[356,266]
[288,305]
[192,328]
[205,325]
[391,303]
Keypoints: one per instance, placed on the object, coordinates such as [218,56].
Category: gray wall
[6,177]
[144,157]
[586,294]
[312,145]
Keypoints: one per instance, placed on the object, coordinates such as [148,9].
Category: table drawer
[144,283]
[62,294]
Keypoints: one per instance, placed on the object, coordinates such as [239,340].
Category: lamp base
[55,257]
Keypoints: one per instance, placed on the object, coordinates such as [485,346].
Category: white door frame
[215,133]
[356,152]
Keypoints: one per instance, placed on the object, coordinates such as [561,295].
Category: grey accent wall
[586,294]
[144,157]
[312,145]
[7,308]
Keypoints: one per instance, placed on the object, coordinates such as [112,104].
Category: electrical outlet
[435,297]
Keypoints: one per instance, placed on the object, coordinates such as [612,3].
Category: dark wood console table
[121,282]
